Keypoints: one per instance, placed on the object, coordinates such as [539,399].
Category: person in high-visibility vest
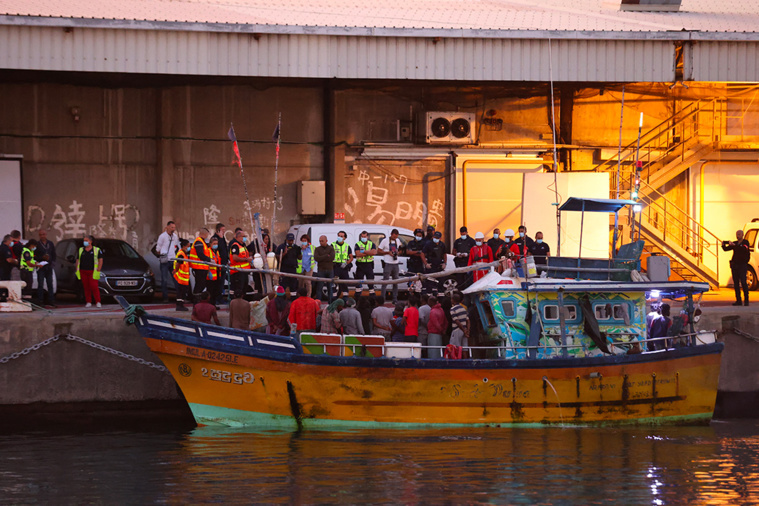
[214,283]
[365,251]
[27,264]
[343,258]
[182,274]
[89,264]
[239,257]
[307,258]
[200,251]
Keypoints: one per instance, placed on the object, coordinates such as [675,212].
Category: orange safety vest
[182,269]
[245,264]
[213,272]
[194,255]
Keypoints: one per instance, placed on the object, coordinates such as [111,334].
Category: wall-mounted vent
[449,128]
[651,5]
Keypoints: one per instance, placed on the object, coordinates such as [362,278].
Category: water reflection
[699,465]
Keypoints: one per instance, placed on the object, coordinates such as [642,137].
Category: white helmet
[479,235]
[509,233]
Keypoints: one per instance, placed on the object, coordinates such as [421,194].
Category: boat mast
[555,156]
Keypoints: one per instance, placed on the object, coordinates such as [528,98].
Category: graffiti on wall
[395,193]
[116,221]
[241,218]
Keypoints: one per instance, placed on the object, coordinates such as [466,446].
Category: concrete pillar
[567,103]
[164,178]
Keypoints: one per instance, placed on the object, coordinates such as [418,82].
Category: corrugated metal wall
[328,56]
[725,61]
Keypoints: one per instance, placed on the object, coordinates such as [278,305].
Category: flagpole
[233,138]
[276,172]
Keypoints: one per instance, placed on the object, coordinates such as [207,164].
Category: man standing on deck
[200,251]
[343,261]
[540,250]
[495,242]
[434,254]
[480,254]
[461,248]
[288,254]
[739,265]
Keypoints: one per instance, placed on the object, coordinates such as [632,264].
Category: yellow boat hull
[235,389]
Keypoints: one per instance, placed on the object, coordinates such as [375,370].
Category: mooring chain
[91,344]
[746,335]
[28,350]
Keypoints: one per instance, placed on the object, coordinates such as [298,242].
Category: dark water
[694,465]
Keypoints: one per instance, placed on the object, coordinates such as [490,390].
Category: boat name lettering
[238,378]
[602,386]
[497,390]
[212,355]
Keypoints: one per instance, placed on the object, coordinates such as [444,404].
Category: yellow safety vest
[96,272]
[181,269]
[299,269]
[22,263]
[244,253]
[213,272]
[194,255]
[341,252]
[360,246]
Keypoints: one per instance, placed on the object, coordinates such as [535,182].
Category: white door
[11,212]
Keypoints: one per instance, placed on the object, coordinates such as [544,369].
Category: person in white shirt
[389,247]
[167,247]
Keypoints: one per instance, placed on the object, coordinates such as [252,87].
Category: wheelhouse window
[508,308]
[602,311]
[615,312]
[550,312]
[488,312]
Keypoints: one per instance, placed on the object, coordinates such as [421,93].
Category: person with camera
[389,247]
[739,265]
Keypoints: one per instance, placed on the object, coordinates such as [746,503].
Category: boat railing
[669,342]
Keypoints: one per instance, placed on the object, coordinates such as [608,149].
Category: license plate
[126,283]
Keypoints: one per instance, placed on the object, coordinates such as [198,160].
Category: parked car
[750,232]
[124,272]
[376,234]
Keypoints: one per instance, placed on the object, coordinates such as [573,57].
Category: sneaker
[88,304]
[737,303]
[98,304]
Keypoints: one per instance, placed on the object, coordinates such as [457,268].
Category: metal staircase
[666,151]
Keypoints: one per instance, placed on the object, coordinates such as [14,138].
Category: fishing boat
[569,347]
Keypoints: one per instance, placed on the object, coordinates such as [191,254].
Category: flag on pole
[233,138]
[275,137]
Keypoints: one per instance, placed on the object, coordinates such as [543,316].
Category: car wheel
[751,281]
[450,285]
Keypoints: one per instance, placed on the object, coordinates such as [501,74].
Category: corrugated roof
[340,16]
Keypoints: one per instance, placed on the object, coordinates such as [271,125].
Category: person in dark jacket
[739,265]
[45,252]
[288,255]
[223,246]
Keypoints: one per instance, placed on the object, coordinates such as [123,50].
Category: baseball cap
[418,231]
[430,227]
[437,234]
[290,237]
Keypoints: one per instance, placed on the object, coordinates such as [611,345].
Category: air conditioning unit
[449,128]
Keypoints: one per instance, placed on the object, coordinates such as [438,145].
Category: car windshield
[116,249]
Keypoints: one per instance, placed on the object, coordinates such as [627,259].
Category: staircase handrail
[630,149]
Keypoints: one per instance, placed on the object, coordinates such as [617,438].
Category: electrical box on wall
[311,197]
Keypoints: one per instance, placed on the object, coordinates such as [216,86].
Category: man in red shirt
[480,254]
[436,328]
[204,311]
[303,311]
[411,320]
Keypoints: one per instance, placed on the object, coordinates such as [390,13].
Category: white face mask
[340,240]
[507,239]
[464,236]
[495,236]
[478,243]
[418,237]
[521,234]
[435,240]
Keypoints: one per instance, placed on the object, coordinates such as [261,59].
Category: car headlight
[148,274]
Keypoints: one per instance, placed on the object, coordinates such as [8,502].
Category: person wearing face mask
[89,264]
[522,245]
[495,242]
[167,246]
[461,248]
[416,261]
[306,262]
[181,271]
[239,258]
[430,234]
[365,251]
[505,250]
[214,283]
[288,255]
[389,247]
[342,264]
[434,253]
[200,251]
[540,250]
[480,254]
[27,265]
[7,261]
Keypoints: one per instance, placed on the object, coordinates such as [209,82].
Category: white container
[657,268]
[403,350]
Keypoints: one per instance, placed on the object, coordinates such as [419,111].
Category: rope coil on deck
[69,337]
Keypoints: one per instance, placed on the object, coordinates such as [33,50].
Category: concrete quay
[71,379]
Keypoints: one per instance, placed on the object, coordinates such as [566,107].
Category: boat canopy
[595,205]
